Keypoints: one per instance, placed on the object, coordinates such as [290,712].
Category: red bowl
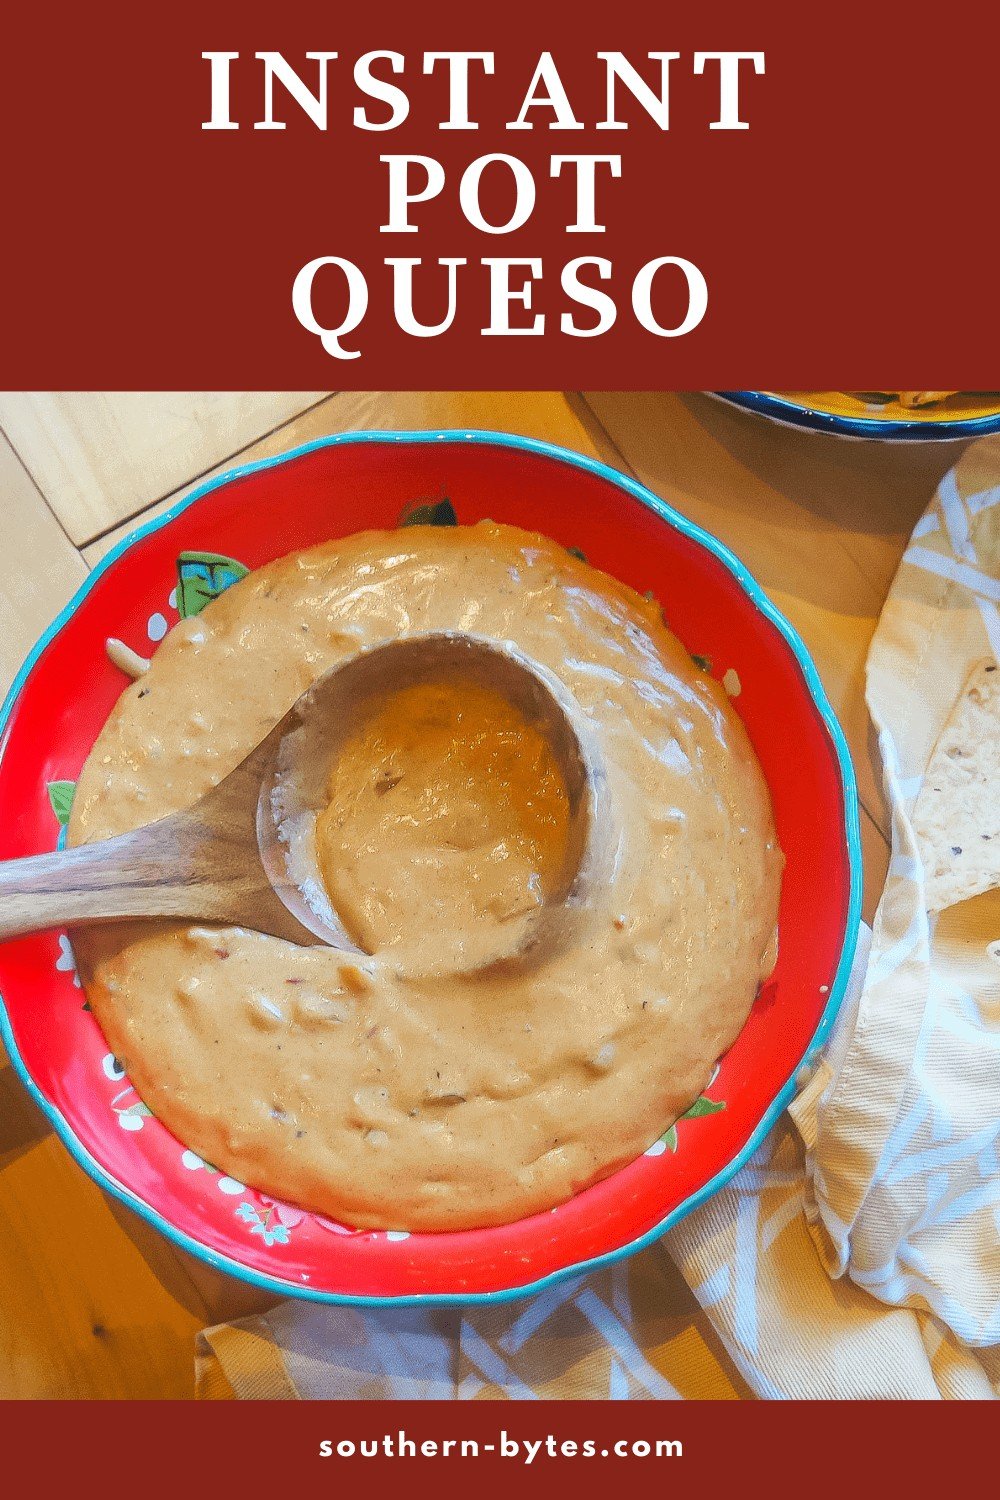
[342,484]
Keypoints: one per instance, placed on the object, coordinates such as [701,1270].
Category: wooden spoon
[243,856]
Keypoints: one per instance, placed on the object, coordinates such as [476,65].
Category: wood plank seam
[38,491]
[227,458]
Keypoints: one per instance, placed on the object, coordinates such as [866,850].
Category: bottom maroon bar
[588,1447]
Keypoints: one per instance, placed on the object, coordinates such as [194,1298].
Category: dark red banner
[842,239]
[585,1448]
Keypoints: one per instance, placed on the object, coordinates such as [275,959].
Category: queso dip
[388,1092]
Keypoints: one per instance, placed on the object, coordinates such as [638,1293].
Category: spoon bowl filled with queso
[539,1047]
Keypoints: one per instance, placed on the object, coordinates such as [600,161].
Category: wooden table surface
[93,1303]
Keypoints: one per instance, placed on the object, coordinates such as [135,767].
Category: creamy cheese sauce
[447,821]
[353,1085]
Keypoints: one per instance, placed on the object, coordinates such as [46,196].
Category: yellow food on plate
[926,407]
[920,398]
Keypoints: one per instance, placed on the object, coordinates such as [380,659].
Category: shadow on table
[22,1124]
[878,487]
[774,494]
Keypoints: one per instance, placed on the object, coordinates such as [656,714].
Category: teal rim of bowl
[821,703]
[903,429]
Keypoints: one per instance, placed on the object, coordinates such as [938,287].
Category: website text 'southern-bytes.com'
[525,1450]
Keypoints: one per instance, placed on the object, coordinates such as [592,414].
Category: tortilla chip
[956,818]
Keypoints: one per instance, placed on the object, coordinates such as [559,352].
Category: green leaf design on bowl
[435,513]
[202,577]
[61,798]
[703,1106]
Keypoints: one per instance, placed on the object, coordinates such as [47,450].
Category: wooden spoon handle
[182,867]
[135,875]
